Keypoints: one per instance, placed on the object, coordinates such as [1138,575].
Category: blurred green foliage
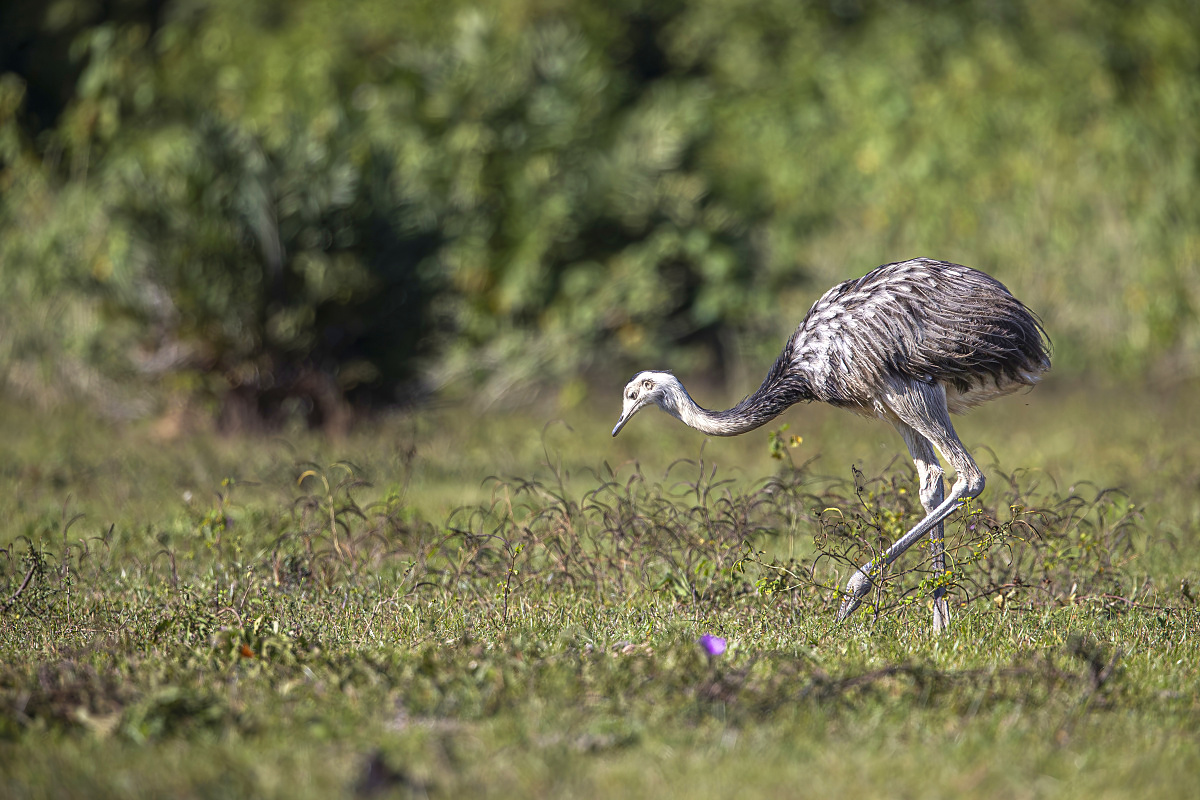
[284,205]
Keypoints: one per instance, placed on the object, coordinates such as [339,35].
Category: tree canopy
[286,207]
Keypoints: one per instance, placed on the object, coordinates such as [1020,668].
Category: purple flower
[713,645]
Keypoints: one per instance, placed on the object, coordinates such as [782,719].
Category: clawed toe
[856,589]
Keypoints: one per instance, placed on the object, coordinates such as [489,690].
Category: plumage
[909,343]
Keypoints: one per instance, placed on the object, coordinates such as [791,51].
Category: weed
[309,630]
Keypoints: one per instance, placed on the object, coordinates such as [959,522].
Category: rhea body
[908,343]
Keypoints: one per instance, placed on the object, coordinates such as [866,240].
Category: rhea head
[658,388]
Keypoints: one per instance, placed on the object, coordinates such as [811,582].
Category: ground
[462,603]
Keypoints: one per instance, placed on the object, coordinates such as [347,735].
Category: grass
[376,617]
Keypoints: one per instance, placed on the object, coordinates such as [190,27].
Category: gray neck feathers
[783,387]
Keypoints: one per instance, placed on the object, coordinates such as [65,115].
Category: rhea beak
[631,408]
[621,422]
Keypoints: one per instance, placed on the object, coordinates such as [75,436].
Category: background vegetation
[282,207]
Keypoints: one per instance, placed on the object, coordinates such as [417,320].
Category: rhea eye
[647,384]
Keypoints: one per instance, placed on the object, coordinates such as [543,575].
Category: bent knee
[969,486]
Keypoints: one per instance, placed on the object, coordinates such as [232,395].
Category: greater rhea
[908,343]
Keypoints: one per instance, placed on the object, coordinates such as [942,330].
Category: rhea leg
[932,493]
[921,407]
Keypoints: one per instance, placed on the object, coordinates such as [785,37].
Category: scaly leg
[921,409]
[932,493]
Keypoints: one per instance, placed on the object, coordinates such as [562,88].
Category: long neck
[783,387]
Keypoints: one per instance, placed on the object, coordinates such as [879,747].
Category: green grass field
[470,604]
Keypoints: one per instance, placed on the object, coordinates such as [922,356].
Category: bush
[286,207]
